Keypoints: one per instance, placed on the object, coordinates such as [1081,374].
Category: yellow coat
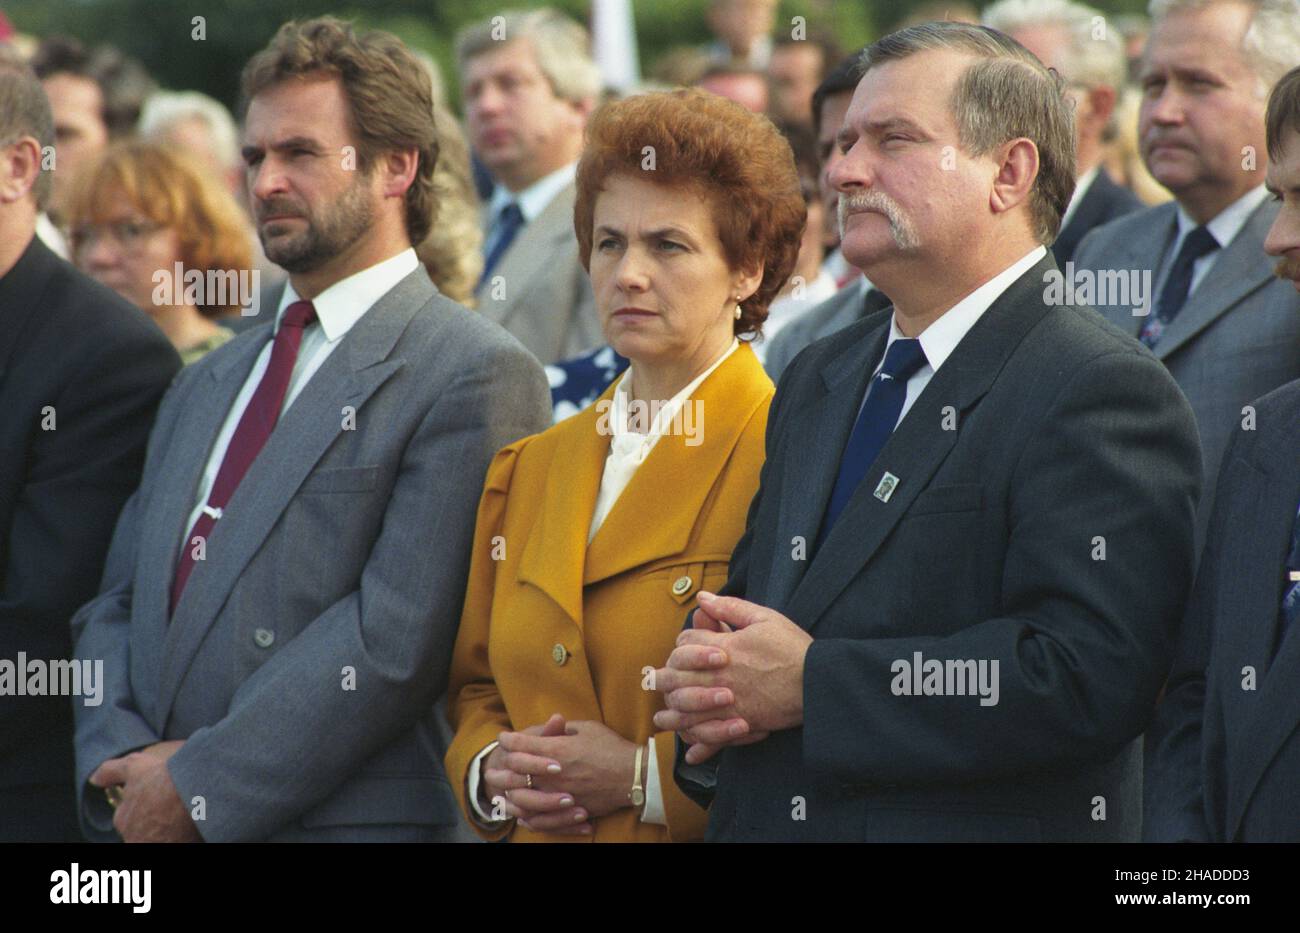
[553,625]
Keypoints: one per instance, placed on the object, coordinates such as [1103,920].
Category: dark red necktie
[255,426]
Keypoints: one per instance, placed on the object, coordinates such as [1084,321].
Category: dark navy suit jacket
[1103,202]
[1042,518]
[1224,755]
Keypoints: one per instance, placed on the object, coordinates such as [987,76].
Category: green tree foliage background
[159,32]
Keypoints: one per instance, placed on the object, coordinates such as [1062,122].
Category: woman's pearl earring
[738,312]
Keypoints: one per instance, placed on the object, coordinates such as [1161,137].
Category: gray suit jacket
[1236,339]
[539,291]
[303,661]
[845,307]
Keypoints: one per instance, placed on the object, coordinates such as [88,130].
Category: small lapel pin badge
[885,488]
[1294,576]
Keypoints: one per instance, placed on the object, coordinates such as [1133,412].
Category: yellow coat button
[559,654]
[681,585]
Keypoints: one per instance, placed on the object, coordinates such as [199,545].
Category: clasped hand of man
[150,807]
[735,676]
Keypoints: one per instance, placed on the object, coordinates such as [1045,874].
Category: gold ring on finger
[529,781]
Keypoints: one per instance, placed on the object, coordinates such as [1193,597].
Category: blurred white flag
[613,43]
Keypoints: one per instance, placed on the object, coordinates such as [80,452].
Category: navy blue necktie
[508,224]
[1291,588]
[876,422]
[1174,295]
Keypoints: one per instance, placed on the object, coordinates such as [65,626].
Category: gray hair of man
[562,46]
[1094,54]
[1008,94]
[164,109]
[1271,46]
[25,111]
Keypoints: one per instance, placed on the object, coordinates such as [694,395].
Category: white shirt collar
[342,304]
[533,199]
[1081,186]
[624,440]
[941,338]
[1228,222]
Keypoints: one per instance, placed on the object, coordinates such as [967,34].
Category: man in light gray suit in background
[282,593]
[1226,328]
[529,85]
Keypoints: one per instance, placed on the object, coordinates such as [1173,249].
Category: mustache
[278,208]
[1162,138]
[900,226]
[1288,267]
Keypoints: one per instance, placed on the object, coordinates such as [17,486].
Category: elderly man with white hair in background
[1207,303]
[528,84]
[1088,53]
[200,125]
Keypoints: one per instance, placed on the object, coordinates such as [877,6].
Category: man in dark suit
[951,610]
[1224,758]
[81,375]
[1213,313]
[1064,36]
[856,297]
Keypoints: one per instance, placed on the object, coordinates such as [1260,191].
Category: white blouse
[628,448]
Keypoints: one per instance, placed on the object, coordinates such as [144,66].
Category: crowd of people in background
[761,348]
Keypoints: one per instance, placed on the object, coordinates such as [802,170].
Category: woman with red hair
[594,537]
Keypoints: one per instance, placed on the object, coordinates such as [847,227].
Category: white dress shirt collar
[342,304]
[625,440]
[941,337]
[533,199]
[1227,223]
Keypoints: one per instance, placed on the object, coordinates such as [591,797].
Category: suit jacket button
[264,637]
[559,654]
[681,585]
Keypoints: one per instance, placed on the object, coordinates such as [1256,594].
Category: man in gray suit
[852,303]
[529,85]
[282,593]
[1064,36]
[1207,303]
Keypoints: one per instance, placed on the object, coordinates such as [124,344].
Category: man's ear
[1101,103]
[400,168]
[584,108]
[1017,168]
[20,166]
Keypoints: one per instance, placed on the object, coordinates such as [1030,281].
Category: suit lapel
[167,518]
[528,260]
[1257,726]
[917,447]
[817,437]
[1240,269]
[678,477]
[348,377]
[1141,253]
[553,557]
